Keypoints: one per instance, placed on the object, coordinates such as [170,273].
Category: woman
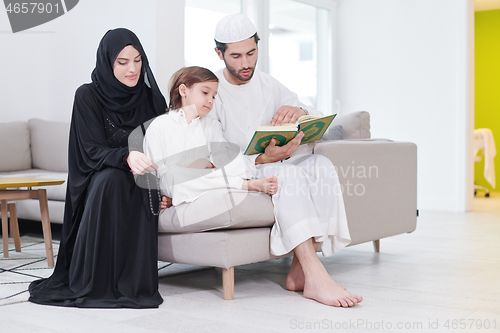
[108,251]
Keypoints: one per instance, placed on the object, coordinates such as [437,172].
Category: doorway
[487,97]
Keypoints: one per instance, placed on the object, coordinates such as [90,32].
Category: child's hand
[201,163]
[166,202]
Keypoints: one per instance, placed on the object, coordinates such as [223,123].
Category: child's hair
[187,76]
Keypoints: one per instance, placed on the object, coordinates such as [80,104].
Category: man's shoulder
[220,73]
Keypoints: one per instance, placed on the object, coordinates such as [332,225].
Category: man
[309,207]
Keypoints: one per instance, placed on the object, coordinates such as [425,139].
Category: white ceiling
[486,5]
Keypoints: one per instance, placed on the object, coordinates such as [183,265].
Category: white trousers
[308,204]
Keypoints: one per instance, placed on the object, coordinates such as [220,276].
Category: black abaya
[108,252]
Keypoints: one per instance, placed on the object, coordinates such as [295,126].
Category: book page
[277,128]
[306,118]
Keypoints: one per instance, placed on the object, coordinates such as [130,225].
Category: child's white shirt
[173,144]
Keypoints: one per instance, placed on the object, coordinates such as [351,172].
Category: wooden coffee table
[11,190]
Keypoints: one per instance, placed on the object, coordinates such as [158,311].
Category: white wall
[42,67]
[169,40]
[406,62]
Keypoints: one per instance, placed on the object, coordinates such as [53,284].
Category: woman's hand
[139,163]
[166,202]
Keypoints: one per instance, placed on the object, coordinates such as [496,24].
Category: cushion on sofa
[49,144]
[355,125]
[14,146]
[333,133]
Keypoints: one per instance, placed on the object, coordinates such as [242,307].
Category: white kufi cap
[234,28]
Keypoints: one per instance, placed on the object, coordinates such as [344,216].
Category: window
[292,30]
[199,29]
[296,44]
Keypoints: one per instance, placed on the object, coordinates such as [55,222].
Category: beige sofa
[378,176]
[36,148]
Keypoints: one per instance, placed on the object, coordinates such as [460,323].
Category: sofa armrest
[379,184]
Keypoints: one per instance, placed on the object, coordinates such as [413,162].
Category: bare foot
[295,280]
[267,185]
[320,287]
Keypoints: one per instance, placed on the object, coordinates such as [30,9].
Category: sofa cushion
[333,133]
[49,144]
[14,146]
[219,209]
[30,210]
[56,192]
[219,248]
[355,125]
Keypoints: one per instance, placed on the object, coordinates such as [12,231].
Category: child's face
[201,95]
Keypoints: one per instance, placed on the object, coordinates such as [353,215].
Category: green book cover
[313,127]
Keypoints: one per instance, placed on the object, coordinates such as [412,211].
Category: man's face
[240,59]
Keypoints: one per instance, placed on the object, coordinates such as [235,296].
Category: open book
[313,127]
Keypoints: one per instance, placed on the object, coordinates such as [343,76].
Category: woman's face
[127,66]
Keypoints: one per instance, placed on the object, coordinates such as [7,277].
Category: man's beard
[237,75]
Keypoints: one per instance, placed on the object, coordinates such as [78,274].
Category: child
[191,153]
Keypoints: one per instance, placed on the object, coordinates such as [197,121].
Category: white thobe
[309,201]
[173,144]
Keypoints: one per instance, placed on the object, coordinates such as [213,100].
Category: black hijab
[125,105]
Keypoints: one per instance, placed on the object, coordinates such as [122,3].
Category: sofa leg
[228,283]
[376,245]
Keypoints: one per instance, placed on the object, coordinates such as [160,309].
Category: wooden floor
[444,277]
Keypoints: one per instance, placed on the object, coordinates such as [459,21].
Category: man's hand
[139,163]
[287,114]
[166,202]
[275,153]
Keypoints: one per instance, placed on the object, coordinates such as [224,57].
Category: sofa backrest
[49,144]
[15,151]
